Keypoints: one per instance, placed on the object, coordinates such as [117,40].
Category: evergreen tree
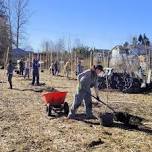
[140,38]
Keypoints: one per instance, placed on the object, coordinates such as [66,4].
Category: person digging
[86,80]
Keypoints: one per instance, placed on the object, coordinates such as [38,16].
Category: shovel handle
[102,102]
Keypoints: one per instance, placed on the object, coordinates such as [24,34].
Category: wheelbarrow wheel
[49,110]
[66,108]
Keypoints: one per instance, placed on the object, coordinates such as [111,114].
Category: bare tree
[45,45]
[59,48]
[77,43]
[9,20]
[54,50]
[21,18]
[4,35]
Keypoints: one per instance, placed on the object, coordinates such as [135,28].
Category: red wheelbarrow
[55,102]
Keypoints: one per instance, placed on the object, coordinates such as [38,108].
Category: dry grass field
[25,126]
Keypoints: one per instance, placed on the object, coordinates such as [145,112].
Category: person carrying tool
[10,69]
[86,80]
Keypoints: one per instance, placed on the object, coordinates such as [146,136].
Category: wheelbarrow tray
[54,98]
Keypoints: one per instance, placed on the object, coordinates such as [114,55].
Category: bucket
[106,119]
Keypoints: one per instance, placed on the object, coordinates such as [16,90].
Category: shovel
[123,117]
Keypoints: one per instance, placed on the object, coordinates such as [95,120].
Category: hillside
[19,53]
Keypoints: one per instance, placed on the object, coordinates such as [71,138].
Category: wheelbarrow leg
[49,109]
[66,108]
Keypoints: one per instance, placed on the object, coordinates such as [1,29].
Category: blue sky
[97,23]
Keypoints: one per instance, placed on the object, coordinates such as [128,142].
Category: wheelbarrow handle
[102,102]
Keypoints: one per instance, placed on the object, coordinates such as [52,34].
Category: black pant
[21,70]
[35,75]
[10,80]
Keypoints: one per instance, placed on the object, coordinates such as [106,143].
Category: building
[130,58]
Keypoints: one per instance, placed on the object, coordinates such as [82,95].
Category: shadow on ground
[141,128]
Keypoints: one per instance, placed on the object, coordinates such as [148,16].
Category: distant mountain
[19,53]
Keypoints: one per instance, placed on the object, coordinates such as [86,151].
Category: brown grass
[25,127]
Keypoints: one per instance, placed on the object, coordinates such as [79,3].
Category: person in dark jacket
[21,66]
[79,68]
[10,69]
[35,73]
[86,80]
[56,68]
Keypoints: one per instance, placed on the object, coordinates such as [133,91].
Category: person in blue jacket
[35,73]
